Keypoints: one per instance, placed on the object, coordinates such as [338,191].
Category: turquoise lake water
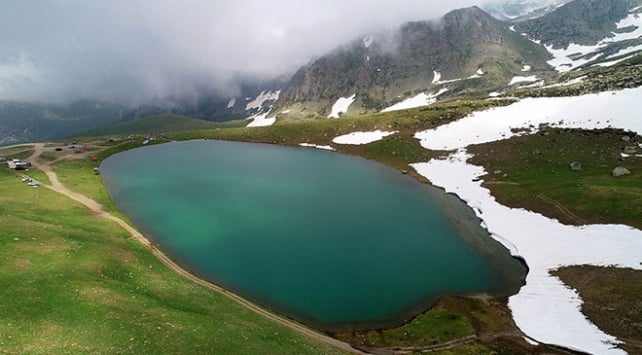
[335,241]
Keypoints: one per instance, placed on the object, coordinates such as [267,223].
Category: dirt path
[563,209]
[98,210]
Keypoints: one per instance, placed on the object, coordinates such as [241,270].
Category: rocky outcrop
[583,22]
[387,67]
[620,171]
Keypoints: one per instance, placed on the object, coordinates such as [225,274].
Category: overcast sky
[134,50]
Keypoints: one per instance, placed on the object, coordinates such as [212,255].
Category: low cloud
[140,50]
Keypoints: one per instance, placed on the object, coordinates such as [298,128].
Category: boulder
[630,150]
[576,166]
[620,171]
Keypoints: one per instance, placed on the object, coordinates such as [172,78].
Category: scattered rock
[576,166]
[626,139]
[629,149]
[620,171]
[405,172]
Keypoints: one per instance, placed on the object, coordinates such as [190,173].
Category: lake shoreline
[404,317]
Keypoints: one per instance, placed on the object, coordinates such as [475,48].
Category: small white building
[18,164]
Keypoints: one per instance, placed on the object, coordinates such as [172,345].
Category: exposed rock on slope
[583,22]
[467,51]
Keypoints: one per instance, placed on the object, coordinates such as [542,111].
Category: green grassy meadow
[533,172]
[73,283]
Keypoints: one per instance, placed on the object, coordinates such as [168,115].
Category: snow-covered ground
[436,80]
[537,84]
[626,51]
[367,41]
[359,138]
[420,100]
[563,62]
[523,79]
[607,109]
[317,146]
[258,102]
[436,77]
[342,105]
[613,62]
[261,120]
[567,83]
[544,308]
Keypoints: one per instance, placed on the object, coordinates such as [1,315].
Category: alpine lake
[334,241]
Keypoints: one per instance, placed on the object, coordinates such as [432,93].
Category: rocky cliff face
[583,22]
[384,68]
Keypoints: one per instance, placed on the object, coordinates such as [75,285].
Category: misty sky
[136,50]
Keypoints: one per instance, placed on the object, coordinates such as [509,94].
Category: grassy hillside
[80,284]
[161,124]
[534,173]
[28,122]
[74,283]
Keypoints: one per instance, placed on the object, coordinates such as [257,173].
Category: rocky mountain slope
[583,33]
[584,22]
[25,121]
[467,51]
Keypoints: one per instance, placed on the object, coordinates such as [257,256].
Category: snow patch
[231,103]
[494,94]
[626,51]
[567,83]
[261,120]
[420,100]
[523,79]
[568,58]
[436,80]
[367,41]
[258,102]
[512,28]
[436,77]
[324,147]
[544,309]
[608,109]
[613,62]
[537,84]
[342,105]
[526,68]
[360,138]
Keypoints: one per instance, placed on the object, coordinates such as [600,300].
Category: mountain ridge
[465,43]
